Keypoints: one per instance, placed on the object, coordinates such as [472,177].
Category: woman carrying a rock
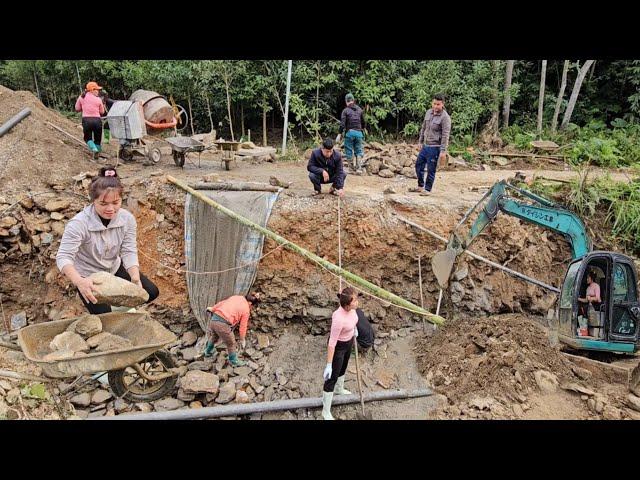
[102,238]
[343,331]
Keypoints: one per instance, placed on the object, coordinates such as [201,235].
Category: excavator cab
[612,324]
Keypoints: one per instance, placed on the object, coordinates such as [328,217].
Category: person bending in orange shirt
[223,317]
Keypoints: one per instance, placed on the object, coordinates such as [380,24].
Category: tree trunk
[206,98]
[496,102]
[563,85]
[592,70]
[317,119]
[35,80]
[543,77]
[506,107]
[264,125]
[79,81]
[574,93]
[242,119]
[190,113]
[226,86]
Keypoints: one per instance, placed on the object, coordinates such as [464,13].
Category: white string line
[178,270]
[339,243]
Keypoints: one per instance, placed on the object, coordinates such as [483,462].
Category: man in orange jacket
[224,316]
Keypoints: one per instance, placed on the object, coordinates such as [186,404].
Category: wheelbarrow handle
[10,346]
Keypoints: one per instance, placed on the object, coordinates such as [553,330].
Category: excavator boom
[538,211]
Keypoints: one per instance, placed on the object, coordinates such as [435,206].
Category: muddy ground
[295,317]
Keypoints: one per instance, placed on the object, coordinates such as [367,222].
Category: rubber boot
[106,135]
[92,146]
[358,166]
[339,388]
[99,148]
[327,398]
[234,361]
[210,350]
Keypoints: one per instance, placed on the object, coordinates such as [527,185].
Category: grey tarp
[214,241]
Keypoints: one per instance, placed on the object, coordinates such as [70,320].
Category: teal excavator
[612,325]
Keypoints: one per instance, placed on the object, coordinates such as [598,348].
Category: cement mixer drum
[156,108]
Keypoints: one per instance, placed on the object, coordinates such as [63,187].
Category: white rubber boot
[327,398]
[339,388]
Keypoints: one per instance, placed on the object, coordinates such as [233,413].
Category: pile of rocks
[37,222]
[84,336]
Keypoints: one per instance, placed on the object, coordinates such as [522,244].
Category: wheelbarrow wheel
[154,154]
[125,154]
[128,384]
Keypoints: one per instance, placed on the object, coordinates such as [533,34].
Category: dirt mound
[495,367]
[33,154]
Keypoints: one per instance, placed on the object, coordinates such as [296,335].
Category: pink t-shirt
[593,290]
[343,324]
[90,105]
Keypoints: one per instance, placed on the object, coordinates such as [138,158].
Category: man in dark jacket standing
[352,122]
[325,166]
[434,138]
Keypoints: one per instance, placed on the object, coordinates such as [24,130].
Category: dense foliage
[394,93]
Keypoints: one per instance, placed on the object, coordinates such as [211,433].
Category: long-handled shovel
[364,416]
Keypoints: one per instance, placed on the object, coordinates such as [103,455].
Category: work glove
[327,372]
[243,343]
[355,332]
[338,138]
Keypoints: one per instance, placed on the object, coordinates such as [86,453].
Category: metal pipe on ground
[519,275]
[13,121]
[277,405]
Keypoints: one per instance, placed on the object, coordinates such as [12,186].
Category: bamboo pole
[235,186]
[23,376]
[355,279]
[67,134]
[509,154]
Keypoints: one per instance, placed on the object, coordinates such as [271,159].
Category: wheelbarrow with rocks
[138,368]
[128,346]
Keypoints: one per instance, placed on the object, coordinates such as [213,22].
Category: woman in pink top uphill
[343,331]
[91,106]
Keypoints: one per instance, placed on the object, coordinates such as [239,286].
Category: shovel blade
[442,264]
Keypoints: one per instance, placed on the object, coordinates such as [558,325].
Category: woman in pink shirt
[343,331]
[592,295]
[91,106]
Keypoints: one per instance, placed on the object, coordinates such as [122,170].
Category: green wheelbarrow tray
[146,335]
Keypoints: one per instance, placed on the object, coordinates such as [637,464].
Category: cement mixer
[146,114]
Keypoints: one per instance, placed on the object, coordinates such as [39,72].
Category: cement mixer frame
[144,114]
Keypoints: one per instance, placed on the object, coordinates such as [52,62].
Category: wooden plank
[256,152]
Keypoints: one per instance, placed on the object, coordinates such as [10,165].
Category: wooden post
[354,279]
[543,77]
[264,125]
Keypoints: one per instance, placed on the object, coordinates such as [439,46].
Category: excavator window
[624,291]
[566,297]
[623,283]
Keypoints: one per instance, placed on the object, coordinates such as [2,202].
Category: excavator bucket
[442,265]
